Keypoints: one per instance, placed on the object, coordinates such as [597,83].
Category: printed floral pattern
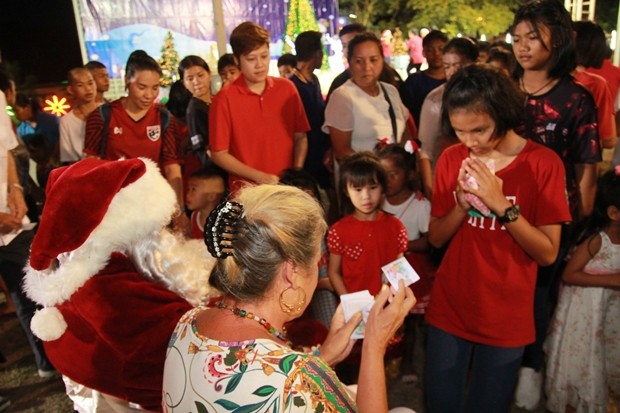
[203,375]
[583,346]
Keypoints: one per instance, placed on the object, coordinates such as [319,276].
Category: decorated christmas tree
[300,18]
[169,61]
[399,43]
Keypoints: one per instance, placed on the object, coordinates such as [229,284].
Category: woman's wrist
[372,349]
[501,210]
[16,186]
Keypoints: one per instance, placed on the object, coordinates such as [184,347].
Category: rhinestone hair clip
[221,228]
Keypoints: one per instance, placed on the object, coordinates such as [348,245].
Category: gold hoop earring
[299,303]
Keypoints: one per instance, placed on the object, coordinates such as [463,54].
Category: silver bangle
[18,186]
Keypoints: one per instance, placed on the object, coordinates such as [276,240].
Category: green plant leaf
[226,404]
[256,407]
[231,358]
[233,383]
[264,391]
[299,401]
[201,408]
[286,363]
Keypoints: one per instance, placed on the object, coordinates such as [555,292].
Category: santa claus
[112,281]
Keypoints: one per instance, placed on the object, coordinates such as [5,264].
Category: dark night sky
[38,39]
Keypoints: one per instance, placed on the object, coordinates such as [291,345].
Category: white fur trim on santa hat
[138,210]
[48,324]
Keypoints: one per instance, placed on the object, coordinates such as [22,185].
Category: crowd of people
[489,168]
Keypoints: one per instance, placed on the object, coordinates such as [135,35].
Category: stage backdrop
[115,28]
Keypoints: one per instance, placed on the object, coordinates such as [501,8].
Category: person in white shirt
[83,89]
[15,229]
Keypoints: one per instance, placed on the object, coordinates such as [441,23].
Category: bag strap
[164,119]
[390,111]
[105,111]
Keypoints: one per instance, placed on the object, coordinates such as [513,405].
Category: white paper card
[354,303]
[400,269]
[29,226]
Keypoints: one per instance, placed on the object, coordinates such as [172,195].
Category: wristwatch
[510,215]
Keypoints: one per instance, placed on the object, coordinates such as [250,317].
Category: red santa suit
[98,266]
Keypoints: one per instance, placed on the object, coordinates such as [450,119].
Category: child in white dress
[583,345]
[404,200]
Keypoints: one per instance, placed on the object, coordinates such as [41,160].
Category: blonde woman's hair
[279,223]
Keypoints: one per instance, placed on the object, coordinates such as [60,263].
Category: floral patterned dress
[203,375]
[583,345]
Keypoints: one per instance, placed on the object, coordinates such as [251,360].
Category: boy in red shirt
[260,125]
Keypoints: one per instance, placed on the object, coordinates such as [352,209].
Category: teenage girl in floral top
[560,114]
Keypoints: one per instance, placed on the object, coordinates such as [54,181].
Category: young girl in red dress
[368,238]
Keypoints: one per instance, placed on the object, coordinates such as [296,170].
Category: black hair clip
[221,228]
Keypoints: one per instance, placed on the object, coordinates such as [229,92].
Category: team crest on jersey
[153,132]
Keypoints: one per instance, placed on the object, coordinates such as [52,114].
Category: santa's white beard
[183,266]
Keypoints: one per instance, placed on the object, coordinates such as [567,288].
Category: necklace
[244,314]
[537,91]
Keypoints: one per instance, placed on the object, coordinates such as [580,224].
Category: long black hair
[553,15]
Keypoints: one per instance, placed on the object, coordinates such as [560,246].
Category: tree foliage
[363,9]
[468,17]
[607,14]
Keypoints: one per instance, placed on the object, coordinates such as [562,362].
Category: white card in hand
[29,226]
[400,269]
[354,303]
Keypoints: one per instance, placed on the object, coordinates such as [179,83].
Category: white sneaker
[48,374]
[529,387]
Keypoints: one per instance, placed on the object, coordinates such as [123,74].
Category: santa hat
[92,208]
